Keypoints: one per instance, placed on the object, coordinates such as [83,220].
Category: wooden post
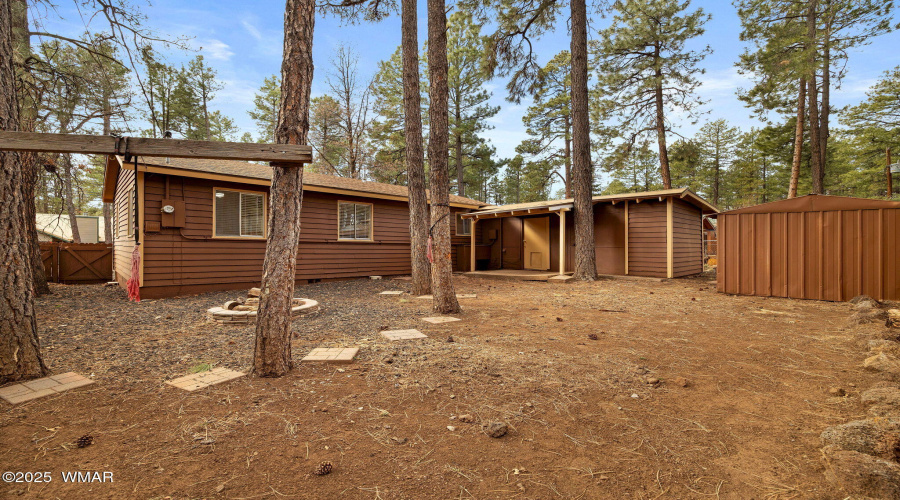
[626,237]
[670,243]
[472,252]
[562,242]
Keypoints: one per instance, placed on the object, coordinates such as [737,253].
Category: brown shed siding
[191,260]
[123,244]
[825,255]
[687,254]
[647,251]
[609,238]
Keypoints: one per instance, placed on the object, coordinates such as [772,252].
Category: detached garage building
[811,247]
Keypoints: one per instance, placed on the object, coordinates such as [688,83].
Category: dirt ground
[583,421]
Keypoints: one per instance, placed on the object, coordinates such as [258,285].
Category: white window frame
[371,206]
[265,215]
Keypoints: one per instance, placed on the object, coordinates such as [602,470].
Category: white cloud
[726,80]
[217,49]
[253,30]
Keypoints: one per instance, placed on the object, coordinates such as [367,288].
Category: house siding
[189,260]
[687,237]
[123,244]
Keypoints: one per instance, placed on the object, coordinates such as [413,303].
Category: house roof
[254,173]
[57,226]
[816,203]
[554,205]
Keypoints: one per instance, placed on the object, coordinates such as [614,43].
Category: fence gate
[77,262]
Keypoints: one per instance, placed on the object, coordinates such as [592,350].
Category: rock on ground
[861,474]
[496,429]
[884,363]
[873,437]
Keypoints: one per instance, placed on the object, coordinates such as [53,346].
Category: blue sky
[243,42]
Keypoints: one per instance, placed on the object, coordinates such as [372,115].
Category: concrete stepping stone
[337,355]
[458,296]
[441,319]
[201,380]
[37,388]
[391,292]
[403,334]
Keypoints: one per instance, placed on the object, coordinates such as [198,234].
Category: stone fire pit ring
[234,312]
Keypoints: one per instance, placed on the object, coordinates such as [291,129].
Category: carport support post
[562,242]
[472,240]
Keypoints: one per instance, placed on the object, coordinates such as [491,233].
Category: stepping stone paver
[441,319]
[332,354]
[403,334]
[458,296]
[33,389]
[200,380]
[391,292]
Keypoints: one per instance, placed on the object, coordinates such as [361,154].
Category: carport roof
[538,207]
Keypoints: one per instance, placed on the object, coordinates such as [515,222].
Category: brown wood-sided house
[202,225]
[654,234]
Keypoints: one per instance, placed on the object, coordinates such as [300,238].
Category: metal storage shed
[811,247]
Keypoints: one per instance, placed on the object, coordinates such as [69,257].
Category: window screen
[240,214]
[463,226]
[354,221]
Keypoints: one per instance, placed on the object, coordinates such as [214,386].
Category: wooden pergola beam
[143,146]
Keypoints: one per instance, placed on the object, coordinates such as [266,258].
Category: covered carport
[654,233]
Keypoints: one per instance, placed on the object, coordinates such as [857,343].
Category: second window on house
[354,221]
[240,214]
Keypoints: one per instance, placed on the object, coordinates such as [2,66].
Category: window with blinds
[354,221]
[239,214]
[463,226]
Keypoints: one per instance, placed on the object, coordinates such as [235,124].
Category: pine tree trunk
[69,196]
[415,161]
[21,40]
[825,112]
[438,144]
[582,174]
[798,140]
[460,172]
[29,162]
[812,95]
[20,353]
[272,354]
[568,153]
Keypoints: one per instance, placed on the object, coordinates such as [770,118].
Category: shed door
[537,243]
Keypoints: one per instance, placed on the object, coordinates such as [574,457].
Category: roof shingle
[258,171]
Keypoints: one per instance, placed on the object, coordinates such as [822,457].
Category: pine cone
[324,469]
[85,441]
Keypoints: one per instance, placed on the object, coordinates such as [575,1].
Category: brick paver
[332,354]
[458,296]
[33,389]
[403,334]
[200,380]
[440,319]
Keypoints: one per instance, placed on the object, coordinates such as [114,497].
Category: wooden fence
[77,262]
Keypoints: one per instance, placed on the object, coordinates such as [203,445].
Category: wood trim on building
[626,237]
[472,240]
[670,238]
[141,208]
[562,241]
